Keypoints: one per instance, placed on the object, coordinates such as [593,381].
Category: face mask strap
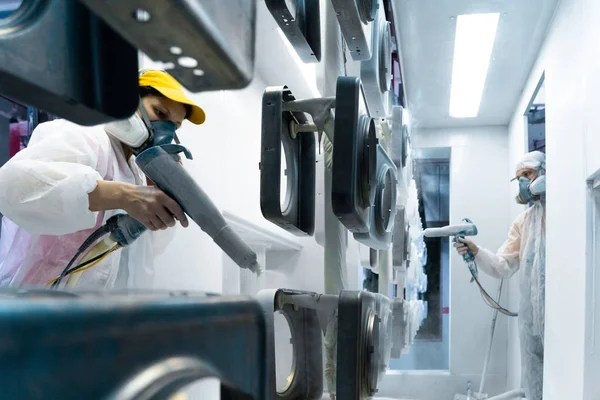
[146,119]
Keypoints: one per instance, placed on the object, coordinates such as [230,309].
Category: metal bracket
[364,177]
[306,377]
[364,333]
[129,345]
[58,56]
[300,21]
[355,18]
[297,213]
[203,44]
[375,73]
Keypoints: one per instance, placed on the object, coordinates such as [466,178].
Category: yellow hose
[107,245]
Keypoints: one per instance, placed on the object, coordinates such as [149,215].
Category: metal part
[364,177]
[399,248]
[355,19]
[320,111]
[306,378]
[203,44]
[137,344]
[362,330]
[297,213]
[301,25]
[399,144]
[375,73]
[58,56]
[364,333]
[399,322]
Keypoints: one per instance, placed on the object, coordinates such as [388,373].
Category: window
[430,350]
[536,119]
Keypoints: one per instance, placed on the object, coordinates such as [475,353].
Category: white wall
[479,183]
[572,366]
[226,151]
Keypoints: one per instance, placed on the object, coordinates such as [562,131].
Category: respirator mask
[139,133]
[530,190]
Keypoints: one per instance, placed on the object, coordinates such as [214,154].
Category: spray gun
[459,232]
[161,165]
[468,228]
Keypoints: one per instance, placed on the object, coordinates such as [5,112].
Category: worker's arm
[505,262]
[56,185]
[45,187]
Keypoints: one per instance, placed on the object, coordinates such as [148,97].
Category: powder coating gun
[459,232]
[468,228]
[161,165]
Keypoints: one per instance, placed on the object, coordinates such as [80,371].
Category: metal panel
[297,214]
[58,56]
[300,21]
[142,345]
[208,45]
[364,177]
[355,18]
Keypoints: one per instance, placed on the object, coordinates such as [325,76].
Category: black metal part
[358,337]
[301,25]
[306,380]
[364,177]
[210,45]
[140,345]
[297,214]
[58,56]
[353,17]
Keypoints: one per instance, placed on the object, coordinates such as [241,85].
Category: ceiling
[427,28]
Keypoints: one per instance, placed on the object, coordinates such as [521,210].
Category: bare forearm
[108,195]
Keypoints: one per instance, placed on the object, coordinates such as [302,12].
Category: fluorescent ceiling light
[475,35]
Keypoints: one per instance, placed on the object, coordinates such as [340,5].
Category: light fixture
[474,41]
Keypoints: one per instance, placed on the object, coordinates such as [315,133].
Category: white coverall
[525,251]
[45,191]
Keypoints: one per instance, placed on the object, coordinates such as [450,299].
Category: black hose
[96,235]
[489,300]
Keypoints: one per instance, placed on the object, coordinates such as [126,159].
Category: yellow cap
[171,89]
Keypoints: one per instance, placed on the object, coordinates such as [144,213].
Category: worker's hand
[152,207]
[463,245]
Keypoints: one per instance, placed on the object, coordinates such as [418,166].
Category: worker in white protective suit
[71,179]
[524,251]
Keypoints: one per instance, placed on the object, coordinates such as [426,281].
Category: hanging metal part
[204,45]
[355,18]
[63,339]
[362,333]
[300,21]
[58,56]
[364,177]
[306,376]
[400,239]
[375,73]
[297,213]
[399,323]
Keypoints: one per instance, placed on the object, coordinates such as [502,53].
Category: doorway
[536,119]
